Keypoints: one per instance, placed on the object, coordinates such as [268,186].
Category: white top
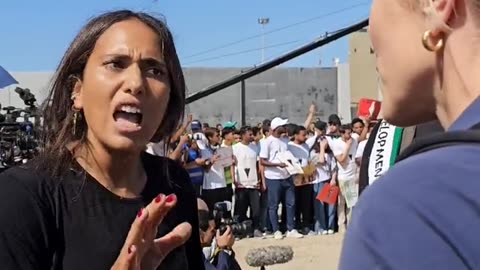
[355,136]
[156,149]
[324,171]
[300,151]
[246,169]
[270,148]
[348,171]
[215,177]
[360,149]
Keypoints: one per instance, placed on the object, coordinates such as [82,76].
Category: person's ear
[77,94]
[444,13]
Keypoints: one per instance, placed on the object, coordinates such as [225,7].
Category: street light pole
[263,22]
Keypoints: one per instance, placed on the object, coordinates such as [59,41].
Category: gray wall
[37,82]
[285,92]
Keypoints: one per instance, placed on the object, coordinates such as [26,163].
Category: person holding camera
[223,256]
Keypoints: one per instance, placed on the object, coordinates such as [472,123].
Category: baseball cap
[229,124]
[278,122]
[196,125]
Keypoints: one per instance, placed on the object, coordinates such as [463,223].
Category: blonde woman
[424,213]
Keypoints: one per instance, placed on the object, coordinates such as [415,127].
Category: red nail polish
[159,198]
[140,212]
[171,198]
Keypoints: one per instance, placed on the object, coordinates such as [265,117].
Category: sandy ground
[312,252]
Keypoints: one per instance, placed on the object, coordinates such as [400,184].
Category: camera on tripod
[223,218]
[19,139]
[26,96]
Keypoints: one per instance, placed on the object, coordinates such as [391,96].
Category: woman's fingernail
[171,198]
[140,212]
[159,198]
[129,250]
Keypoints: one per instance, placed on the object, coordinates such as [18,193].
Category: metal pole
[275,62]
[263,22]
[263,43]
[242,103]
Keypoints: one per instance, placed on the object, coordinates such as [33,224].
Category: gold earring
[428,46]
[75,118]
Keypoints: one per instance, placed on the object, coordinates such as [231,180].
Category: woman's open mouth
[128,118]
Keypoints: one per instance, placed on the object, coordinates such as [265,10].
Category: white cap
[278,122]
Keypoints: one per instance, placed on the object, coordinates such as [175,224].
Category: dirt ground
[311,252]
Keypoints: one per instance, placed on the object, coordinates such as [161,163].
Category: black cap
[334,119]
[320,125]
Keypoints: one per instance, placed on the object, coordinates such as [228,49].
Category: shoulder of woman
[27,178]
[26,190]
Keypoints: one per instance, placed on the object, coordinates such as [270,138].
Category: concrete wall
[344,103]
[363,75]
[37,82]
[286,92]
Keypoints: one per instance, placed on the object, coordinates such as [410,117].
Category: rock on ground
[310,253]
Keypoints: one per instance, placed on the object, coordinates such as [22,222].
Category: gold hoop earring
[428,46]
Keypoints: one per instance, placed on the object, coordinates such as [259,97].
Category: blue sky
[35,33]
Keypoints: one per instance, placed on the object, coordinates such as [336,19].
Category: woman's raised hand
[141,250]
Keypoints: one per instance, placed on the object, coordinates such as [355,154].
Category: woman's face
[406,69]
[125,88]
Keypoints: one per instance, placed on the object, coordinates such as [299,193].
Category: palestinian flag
[385,143]
[380,152]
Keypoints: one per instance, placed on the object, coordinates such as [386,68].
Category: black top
[75,223]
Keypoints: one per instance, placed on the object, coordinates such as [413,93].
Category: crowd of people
[252,167]
[93,199]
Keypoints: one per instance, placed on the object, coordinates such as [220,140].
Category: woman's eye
[115,65]
[156,71]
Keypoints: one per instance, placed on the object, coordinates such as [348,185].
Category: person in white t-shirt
[322,156]
[264,218]
[278,180]
[321,132]
[214,187]
[246,180]
[344,151]
[303,185]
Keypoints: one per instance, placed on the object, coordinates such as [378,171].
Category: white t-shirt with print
[247,157]
[299,151]
[324,171]
[348,171]
[215,177]
[269,150]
